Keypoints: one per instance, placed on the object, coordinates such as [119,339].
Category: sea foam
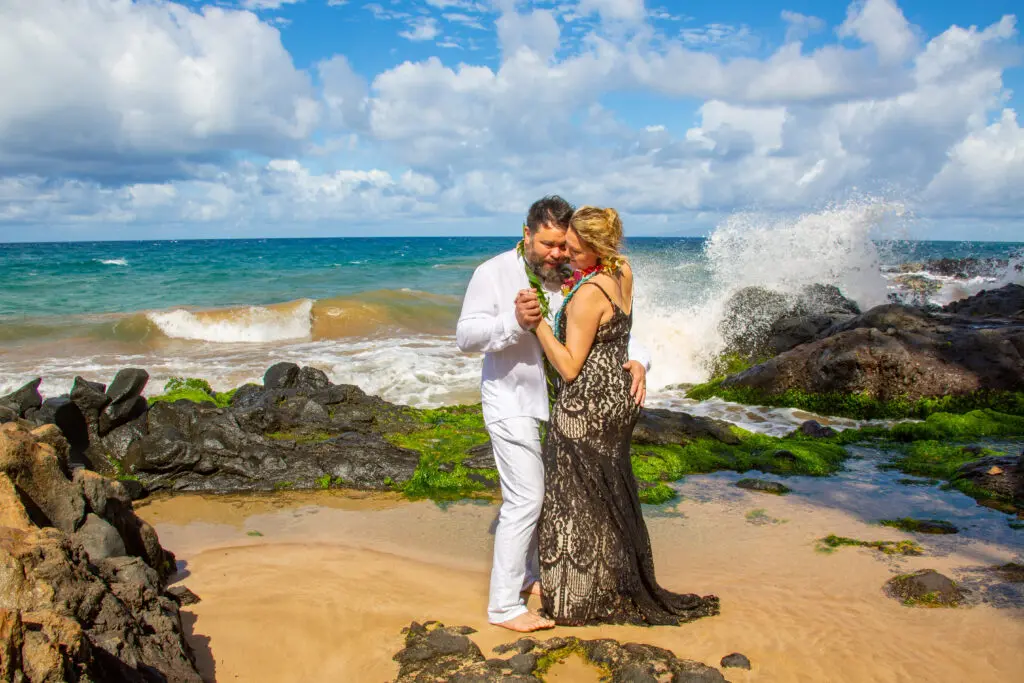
[833,246]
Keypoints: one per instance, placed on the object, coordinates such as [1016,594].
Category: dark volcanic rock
[894,351]
[1005,302]
[758,322]
[127,384]
[117,414]
[24,399]
[659,427]
[964,268]
[280,376]
[85,604]
[1002,475]
[435,652]
[926,588]
[815,429]
[764,485]
[735,661]
[183,596]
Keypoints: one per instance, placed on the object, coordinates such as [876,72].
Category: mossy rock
[656,494]
[764,486]
[921,526]
[924,588]
[832,542]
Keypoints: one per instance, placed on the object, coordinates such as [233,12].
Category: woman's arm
[583,316]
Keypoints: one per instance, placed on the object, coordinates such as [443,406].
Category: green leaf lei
[535,283]
[550,374]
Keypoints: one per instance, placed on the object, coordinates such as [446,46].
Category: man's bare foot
[532,589]
[526,623]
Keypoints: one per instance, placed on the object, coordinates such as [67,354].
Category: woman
[595,553]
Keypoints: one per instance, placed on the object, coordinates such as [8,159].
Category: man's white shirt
[513,382]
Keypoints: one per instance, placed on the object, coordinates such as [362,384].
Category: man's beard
[552,276]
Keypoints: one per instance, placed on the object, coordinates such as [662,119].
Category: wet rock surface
[764,486]
[894,351]
[924,588]
[435,652]
[82,578]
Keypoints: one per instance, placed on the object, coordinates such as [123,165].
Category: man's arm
[481,327]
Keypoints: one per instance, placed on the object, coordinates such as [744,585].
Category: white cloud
[881,24]
[799,26]
[990,161]
[118,89]
[271,4]
[614,10]
[423,28]
[718,36]
[537,31]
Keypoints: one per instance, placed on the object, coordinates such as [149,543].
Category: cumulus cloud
[881,24]
[124,90]
[537,31]
[141,112]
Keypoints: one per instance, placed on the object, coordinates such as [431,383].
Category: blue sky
[135,120]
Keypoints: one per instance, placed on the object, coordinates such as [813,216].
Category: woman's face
[581,256]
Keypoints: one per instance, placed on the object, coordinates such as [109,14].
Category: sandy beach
[317,587]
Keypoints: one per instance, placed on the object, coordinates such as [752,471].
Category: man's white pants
[516,443]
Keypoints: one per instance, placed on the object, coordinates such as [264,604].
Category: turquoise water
[120,277]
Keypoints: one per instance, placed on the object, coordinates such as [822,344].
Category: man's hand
[528,313]
[639,387]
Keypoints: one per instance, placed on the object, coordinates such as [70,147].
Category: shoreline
[333,586]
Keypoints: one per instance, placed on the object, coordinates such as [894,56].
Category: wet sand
[322,592]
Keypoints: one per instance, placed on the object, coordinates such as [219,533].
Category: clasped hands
[529,316]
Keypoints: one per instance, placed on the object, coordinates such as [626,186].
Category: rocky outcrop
[297,430]
[435,652]
[899,351]
[758,323]
[82,578]
[1005,302]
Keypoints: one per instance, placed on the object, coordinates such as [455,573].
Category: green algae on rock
[924,588]
[832,542]
[862,406]
[921,526]
[193,389]
[444,441]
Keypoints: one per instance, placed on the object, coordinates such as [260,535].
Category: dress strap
[591,282]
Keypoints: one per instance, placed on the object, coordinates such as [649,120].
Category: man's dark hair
[551,210]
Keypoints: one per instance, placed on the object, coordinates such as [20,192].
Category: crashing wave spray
[833,246]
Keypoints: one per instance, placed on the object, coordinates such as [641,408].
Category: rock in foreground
[82,578]
[925,588]
[435,652]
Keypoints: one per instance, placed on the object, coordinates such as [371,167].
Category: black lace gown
[595,553]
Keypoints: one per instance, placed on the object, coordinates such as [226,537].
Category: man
[497,319]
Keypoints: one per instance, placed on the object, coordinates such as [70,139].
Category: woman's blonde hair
[601,230]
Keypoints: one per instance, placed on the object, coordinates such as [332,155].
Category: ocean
[380,312]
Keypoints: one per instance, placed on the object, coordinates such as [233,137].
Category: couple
[570,527]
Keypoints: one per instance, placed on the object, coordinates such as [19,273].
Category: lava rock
[764,486]
[815,429]
[735,661]
[925,588]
